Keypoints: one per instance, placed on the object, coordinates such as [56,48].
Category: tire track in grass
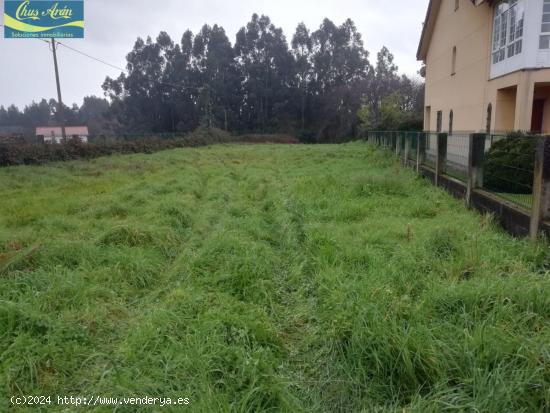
[296,292]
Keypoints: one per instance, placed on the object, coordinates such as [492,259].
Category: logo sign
[39,19]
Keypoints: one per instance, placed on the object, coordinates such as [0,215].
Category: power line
[124,70]
[92,57]
[87,55]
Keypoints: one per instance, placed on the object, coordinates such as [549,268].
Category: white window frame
[508,29]
[544,39]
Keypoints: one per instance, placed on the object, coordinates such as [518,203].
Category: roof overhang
[427,29]
[429,25]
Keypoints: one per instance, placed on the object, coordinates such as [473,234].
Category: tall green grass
[266,279]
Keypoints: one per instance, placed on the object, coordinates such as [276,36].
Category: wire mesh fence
[402,140]
[413,145]
[431,150]
[508,160]
[456,164]
[508,169]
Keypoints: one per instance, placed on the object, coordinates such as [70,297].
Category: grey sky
[112,26]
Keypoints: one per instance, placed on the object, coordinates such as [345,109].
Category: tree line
[93,112]
[321,86]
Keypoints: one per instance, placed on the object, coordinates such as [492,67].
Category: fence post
[441,156]
[407,149]
[541,186]
[476,155]
[397,144]
[420,150]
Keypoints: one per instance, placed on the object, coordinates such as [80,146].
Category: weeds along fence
[506,175]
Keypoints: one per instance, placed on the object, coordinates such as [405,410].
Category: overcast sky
[112,26]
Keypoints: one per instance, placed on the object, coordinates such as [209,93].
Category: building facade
[53,134]
[487,66]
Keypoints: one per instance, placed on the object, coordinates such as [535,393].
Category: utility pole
[60,114]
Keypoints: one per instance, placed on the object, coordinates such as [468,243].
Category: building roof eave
[429,25]
[427,29]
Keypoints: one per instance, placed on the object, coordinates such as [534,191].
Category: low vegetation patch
[266,278]
[20,152]
[510,164]
[269,138]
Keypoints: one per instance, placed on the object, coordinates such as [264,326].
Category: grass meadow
[265,278]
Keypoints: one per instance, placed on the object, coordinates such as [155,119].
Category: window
[451,118]
[453,64]
[508,29]
[544,41]
[439,121]
[428,119]
[457,4]
[489,118]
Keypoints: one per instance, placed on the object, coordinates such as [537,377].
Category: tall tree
[37,114]
[342,71]
[13,116]
[3,116]
[386,80]
[302,47]
[266,67]
[181,78]
[321,87]
[94,114]
[140,93]
[217,76]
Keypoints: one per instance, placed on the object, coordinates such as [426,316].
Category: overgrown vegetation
[510,163]
[15,152]
[266,278]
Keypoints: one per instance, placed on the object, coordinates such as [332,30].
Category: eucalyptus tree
[267,69]
[217,77]
[139,92]
[302,47]
[341,74]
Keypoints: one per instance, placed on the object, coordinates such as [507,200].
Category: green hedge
[510,163]
[21,153]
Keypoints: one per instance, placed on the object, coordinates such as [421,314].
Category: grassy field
[265,279]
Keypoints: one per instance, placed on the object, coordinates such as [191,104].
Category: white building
[53,134]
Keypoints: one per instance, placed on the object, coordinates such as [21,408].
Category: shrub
[307,136]
[22,153]
[268,138]
[509,164]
